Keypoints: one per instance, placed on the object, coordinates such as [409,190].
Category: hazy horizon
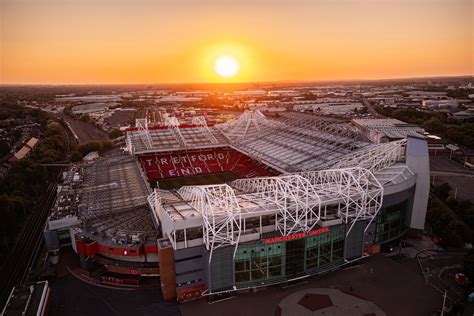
[279,82]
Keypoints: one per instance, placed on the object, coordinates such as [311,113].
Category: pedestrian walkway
[323,301]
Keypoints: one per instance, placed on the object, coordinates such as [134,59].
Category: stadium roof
[294,141]
[172,136]
[391,128]
[109,197]
[290,143]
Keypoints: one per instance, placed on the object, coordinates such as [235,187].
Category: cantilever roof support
[201,122]
[174,124]
[144,133]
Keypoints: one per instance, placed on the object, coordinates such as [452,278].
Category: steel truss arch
[374,158]
[357,188]
[247,123]
[297,201]
[201,122]
[220,211]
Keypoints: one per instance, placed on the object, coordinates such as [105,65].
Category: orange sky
[167,41]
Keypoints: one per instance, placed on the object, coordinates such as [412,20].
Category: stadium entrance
[295,251]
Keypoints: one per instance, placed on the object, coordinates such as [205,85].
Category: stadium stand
[207,161]
[291,142]
[294,141]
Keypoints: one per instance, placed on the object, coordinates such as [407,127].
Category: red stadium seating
[185,163]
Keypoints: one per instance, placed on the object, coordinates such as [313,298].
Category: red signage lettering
[296,236]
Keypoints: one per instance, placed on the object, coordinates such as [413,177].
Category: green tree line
[27,179]
[436,123]
[451,220]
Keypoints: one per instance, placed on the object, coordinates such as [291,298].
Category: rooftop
[32,142]
[288,143]
[391,128]
[27,300]
[22,153]
[108,196]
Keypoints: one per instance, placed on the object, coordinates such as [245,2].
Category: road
[435,267]
[85,132]
[451,173]
[370,108]
[461,180]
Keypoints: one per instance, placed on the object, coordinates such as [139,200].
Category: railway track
[17,267]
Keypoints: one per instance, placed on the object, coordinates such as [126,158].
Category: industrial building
[25,150]
[306,195]
[387,129]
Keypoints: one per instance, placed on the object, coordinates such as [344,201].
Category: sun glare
[226,66]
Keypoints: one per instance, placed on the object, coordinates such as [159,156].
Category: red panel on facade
[80,247]
[91,249]
[151,249]
[120,251]
[167,273]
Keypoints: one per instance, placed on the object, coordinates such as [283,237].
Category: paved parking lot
[396,286]
[70,296]
[443,163]
[459,178]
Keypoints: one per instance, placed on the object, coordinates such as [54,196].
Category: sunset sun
[226,66]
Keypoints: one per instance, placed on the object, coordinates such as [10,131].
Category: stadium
[253,202]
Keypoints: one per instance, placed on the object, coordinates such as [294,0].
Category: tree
[27,179]
[8,223]
[442,191]
[67,110]
[86,148]
[17,133]
[86,118]
[451,230]
[115,134]
[76,156]
[434,125]
[4,148]
[107,145]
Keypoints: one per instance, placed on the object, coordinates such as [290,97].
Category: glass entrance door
[295,258]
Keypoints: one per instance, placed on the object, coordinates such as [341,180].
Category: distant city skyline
[145,41]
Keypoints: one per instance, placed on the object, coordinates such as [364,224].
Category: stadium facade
[299,195]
